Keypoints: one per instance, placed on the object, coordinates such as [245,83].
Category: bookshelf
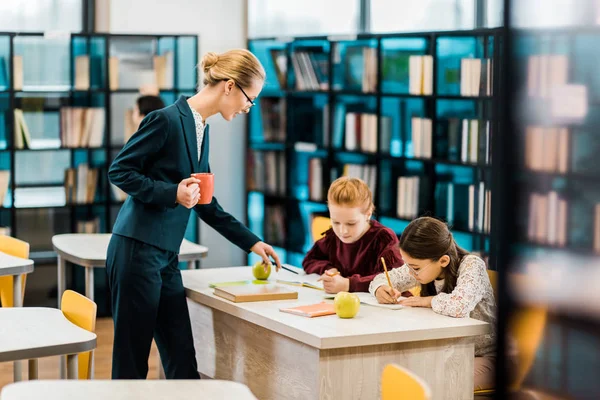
[63,107]
[409,113]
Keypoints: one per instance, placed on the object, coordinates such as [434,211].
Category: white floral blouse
[472,297]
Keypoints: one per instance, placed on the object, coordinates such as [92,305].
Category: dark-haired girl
[453,283]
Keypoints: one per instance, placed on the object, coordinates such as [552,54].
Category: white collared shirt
[199,129]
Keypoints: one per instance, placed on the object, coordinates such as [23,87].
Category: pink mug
[207,186]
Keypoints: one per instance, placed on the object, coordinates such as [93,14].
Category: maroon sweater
[358,261]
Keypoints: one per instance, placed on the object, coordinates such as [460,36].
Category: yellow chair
[319,226]
[398,383]
[81,311]
[526,329]
[17,248]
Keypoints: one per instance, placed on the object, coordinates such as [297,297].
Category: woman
[154,168]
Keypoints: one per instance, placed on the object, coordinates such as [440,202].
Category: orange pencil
[386,273]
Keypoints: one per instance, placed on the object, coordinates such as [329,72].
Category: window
[268,18]
[41,15]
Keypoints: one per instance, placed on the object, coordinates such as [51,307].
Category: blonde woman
[155,169]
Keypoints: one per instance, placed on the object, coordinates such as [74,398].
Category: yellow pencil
[386,273]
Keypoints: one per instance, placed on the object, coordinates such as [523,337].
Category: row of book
[273,113]
[361,131]
[545,72]
[420,75]
[547,223]
[82,126]
[80,184]
[451,199]
[547,149]
[368,173]
[275,231]
[310,69]
[476,77]
[469,141]
[315,179]
[88,226]
[266,171]
[360,65]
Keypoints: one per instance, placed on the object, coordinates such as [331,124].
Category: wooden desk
[283,356]
[31,333]
[128,389]
[15,266]
[89,251]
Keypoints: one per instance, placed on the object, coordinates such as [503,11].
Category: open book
[368,299]
[310,281]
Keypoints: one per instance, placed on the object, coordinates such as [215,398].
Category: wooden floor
[48,367]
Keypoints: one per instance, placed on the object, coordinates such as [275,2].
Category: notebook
[312,310]
[310,281]
[248,293]
[368,299]
[237,283]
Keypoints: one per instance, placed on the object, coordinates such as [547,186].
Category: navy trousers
[148,301]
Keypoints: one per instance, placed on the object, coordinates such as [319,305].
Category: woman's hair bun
[209,60]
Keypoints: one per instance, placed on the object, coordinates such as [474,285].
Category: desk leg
[89,283]
[72,367]
[33,369]
[17,302]
[62,281]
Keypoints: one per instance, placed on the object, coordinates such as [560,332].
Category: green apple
[346,304]
[260,272]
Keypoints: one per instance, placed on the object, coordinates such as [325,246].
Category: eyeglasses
[252,103]
[414,271]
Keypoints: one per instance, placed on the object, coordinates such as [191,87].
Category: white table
[31,333]
[15,266]
[89,251]
[128,390]
[284,356]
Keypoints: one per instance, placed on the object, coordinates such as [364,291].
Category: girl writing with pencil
[453,283]
[348,256]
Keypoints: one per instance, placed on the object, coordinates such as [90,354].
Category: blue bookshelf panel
[310,65]
[5,117]
[4,62]
[395,124]
[450,51]
[586,145]
[88,99]
[256,213]
[295,259]
[350,104]
[307,122]
[300,171]
[585,69]
[98,74]
[187,54]
[300,237]
[53,54]
[273,56]
[355,65]
[253,258]
[168,97]
[395,55]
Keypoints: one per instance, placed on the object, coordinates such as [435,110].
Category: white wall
[221,25]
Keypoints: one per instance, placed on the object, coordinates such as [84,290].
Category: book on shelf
[82,126]
[22,135]
[360,68]
[82,72]
[421,133]
[275,231]
[4,182]
[312,310]
[407,201]
[597,228]
[266,171]
[311,69]
[315,179]
[273,115]
[420,74]
[279,59]
[309,281]
[476,77]
[80,184]
[113,73]
[545,72]
[89,226]
[569,103]
[361,132]
[18,72]
[547,149]
[250,293]
[163,70]
[547,223]
[465,140]
[467,206]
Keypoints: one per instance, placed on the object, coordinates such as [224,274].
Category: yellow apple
[346,304]
[259,271]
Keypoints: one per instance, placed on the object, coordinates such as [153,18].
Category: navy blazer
[149,168]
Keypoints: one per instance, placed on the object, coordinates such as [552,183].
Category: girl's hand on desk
[335,284]
[264,251]
[387,295]
[416,301]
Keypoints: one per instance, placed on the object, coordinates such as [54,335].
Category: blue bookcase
[46,80]
[381,107]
